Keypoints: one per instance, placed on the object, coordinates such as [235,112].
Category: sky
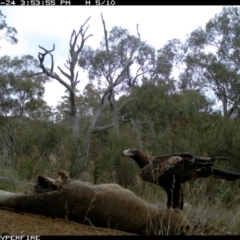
[48,25]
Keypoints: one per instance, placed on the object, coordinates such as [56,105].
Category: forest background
[131,99]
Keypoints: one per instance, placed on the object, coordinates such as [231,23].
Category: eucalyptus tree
[111,65]
[212,61]
[69,79]
[116,66]
[20,95]
[86,104]
[6,32]
[71,75]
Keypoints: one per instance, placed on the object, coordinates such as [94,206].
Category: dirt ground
[18,223]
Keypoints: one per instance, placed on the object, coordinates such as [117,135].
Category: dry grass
[212,206]
[213,220]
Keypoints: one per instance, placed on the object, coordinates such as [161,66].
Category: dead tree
[72,76]
[108,96]
[114,80]
[74,52]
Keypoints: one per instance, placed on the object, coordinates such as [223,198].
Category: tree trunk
[74,119]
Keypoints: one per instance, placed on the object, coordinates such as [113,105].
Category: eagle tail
[220,158]
[230,176]
[209,160]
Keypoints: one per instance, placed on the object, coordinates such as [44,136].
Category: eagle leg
[174,193]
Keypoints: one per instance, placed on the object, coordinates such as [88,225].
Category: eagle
[170,171]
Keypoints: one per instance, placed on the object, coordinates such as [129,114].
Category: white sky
[45,25]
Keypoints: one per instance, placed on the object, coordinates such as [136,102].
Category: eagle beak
[127,153]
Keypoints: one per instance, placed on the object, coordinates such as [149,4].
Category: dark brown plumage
[170,171]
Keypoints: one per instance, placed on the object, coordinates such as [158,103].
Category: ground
[18,223]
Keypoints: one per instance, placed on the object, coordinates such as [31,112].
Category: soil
[19,223]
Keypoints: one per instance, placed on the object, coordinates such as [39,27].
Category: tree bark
[75,49]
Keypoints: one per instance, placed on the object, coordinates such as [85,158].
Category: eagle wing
[183,166]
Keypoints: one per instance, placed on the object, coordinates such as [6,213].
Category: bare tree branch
[126,103]
[71,62]
[100,129]
[34,74]
[64,73]
[109,72]
[137,132]
[138,32]
[107,48]
[41,56]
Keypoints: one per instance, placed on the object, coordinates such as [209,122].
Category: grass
[211,205]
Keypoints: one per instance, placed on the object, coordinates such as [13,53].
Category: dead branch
[107,48]
[138,32]
[72,59]
[41,56]
[127,102]
[100,129]
[137,132]
[51,74]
